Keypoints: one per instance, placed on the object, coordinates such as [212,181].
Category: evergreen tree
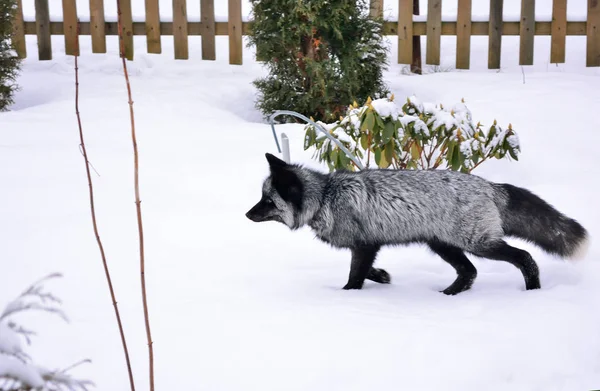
[322,55]
[9,62]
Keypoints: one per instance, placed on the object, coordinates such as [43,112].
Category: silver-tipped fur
[451,212]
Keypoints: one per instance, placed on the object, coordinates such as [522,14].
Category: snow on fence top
[493,18]
[576,10]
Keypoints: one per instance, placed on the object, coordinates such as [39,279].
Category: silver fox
[451,212]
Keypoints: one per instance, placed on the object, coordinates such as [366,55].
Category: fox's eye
[268,201]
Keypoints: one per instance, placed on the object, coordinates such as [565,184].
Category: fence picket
[18,32]
[42,25]
[463,35]
[405,31]
[97,26]
[70,27]
[207,12]
[153,42]
[593,34]
[180,29]
[235,32]
[527,32]
[495,33]
[434,32]
[127,27]
[409,32]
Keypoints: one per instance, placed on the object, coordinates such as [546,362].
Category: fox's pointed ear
[275,162]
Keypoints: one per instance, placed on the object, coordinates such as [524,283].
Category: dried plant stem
[477,165]
[94,223]
[369,150]
[438,161]
[137,198]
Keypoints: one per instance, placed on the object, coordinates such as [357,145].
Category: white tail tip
[581,250]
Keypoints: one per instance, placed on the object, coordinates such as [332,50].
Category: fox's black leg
[362,261]
[459,261]
[501,251]
[379,275]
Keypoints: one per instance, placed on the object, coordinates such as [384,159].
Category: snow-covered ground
[236,305]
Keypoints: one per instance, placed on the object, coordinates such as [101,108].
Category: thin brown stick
[438,161]
[421,149]
[369,149]
[432,151]
[94,223]
[137,199]
[408,154]
[477,165]
[81,362]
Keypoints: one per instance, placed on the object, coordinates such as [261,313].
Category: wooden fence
[153,28]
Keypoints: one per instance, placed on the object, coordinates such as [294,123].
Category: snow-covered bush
[9,62]
[415,136]
[17,369]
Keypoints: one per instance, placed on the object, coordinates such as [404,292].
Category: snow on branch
[415,135]
[18,371]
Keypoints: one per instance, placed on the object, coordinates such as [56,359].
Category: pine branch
[94,222]
[17,371]
[22,302]
[137,198]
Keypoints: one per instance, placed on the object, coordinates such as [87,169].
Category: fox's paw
[533,284]
[456,288]
[379,275]
[450,291]
[353,285]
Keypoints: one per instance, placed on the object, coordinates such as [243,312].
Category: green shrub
[9,62]
[414,136]
[320,55]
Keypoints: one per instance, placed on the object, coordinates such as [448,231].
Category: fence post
[559,31]
[405,31]
[97,26]
[180,29]
[42,25]
[127,26]
[235,32]
[434,31]
[495,34]
[70,27]
[18,32]
[415,65]
[207,12]
[593,34]
[527,31]
[376,9]
[463,35]
[153,43]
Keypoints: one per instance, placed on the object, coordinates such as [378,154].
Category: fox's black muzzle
[264,210]
[253,217]
[256,214]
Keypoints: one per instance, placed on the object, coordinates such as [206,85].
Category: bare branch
[137,199]
[21,330]
[85,361]
[94,222]
[24,302]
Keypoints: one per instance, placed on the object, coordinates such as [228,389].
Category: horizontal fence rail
[406,28]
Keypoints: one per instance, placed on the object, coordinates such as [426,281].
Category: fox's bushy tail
[527,216]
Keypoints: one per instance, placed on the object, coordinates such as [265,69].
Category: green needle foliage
[320,54]
[9,62]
